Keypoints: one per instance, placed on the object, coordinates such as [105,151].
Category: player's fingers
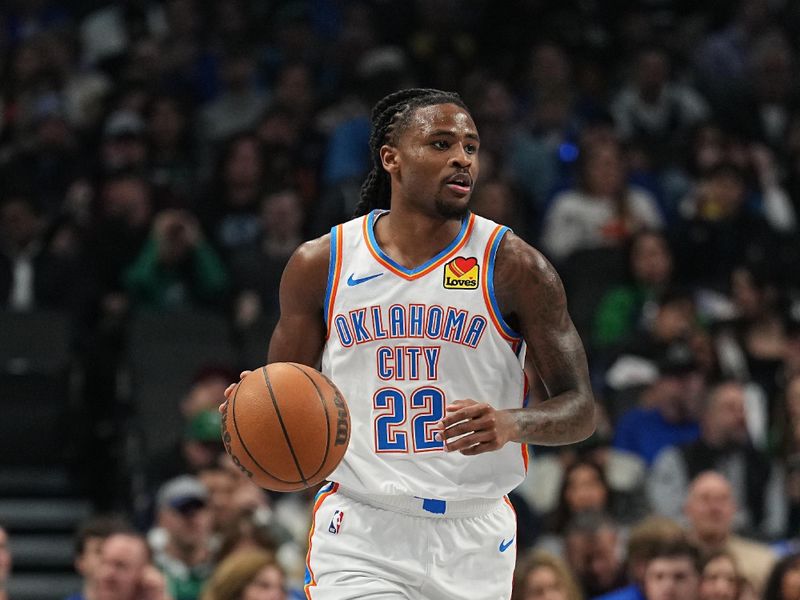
[244,374]
[223,407]
[471,439]
[483,422]
[229,390]
[490,446]
[468,412]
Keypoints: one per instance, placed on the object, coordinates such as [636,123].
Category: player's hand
[229,390]
[472,427]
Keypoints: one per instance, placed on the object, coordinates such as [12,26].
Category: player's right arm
[299,335]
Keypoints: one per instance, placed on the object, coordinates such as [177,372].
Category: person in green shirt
[177,268]
[624,308]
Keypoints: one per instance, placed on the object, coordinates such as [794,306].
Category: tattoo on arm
[530,291]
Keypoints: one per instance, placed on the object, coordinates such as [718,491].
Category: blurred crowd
[170,155]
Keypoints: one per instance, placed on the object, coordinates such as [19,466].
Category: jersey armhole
[512,337]
[334,272]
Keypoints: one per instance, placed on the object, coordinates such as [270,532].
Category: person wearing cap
[181,542]
[667,415]
[724,446]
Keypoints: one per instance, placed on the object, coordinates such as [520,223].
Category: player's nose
[460,158]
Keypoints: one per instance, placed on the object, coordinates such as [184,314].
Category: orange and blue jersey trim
[334,272]
[410,274]
[526,396]
[508,334]
[324,492]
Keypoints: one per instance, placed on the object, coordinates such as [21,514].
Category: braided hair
[389,116]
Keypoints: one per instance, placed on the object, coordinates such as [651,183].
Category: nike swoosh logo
[351,282]
[505,544]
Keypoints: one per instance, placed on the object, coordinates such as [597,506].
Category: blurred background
[161,160]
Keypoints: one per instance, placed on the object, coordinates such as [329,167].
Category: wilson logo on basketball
[461,274]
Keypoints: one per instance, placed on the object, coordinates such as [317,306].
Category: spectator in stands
[126,571]
[583,489]
[207,387]
[247,575]
[670,328]
[123,222]
[199,448]
[754,340]
[230,211]
[631,306]
[602,210]
[5,563]
[653,109]
[181,542]
[667,414]
[257,267]
[710,509]
[221,485]
[673,572]
[724,446]
[592,550]
[721,59]
[644,540]
[177,269]
[89,541]
[241,102]
[544,576]
[171,162]
[250,530]
[784,580]
[720,578]
[124,146]
[717,232]
[34,271]
[51,162]
[765,108]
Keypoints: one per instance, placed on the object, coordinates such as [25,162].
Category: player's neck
[411,238]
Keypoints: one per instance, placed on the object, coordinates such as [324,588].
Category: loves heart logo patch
[461,274]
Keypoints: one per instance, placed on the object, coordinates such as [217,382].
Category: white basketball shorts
[392,548]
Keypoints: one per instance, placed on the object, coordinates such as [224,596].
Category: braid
[390,115]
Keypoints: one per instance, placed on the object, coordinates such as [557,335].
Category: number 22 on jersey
[424,406]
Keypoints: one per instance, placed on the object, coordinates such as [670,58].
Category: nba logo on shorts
[336,522]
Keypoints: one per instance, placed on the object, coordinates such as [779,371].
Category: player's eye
[471,148]
[440,145]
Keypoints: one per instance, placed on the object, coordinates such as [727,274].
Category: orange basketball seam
[247,450]
[283,426]
[327,418]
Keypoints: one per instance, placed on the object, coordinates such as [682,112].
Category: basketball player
[421,313]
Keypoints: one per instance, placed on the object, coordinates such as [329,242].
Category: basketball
[286,426]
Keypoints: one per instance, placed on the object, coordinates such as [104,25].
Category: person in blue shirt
[667,415]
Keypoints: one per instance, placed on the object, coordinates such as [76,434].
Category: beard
[448,209]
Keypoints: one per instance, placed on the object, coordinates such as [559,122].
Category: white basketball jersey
[402,344]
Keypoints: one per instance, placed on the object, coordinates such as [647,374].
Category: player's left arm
[531,296]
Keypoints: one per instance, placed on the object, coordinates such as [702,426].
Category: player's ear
[389,158]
